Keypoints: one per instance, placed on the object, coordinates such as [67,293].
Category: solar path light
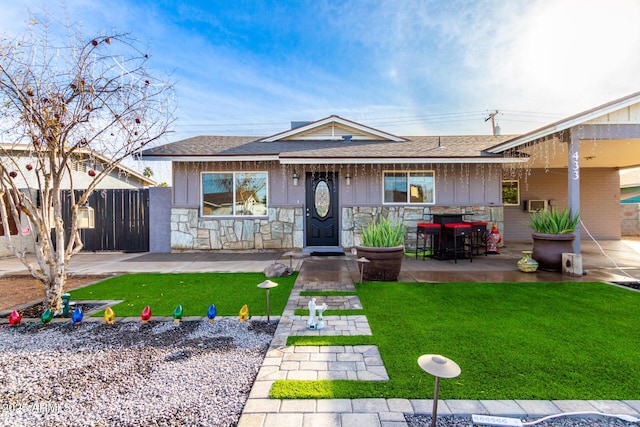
[268,284]
[439,367]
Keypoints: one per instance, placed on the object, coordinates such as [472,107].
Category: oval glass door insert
[322,199]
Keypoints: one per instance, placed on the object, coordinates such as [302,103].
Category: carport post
[573,200]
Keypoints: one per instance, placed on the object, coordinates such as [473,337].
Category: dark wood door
[322,209]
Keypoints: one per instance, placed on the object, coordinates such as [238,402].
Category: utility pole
[493,124]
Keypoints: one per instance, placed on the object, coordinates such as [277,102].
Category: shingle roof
[417,147]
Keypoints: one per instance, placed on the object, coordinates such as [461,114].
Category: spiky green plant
[383,234]
[550,221]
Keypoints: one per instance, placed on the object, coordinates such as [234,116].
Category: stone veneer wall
[281,229]
[353,218]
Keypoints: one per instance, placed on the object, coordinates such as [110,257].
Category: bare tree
[66,99]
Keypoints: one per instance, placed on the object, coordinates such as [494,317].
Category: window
[409,187]
[510,193]
[234,193]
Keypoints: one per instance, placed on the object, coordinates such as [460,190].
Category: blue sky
[407,67]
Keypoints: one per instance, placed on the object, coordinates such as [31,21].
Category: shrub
[553,222]
[383,234]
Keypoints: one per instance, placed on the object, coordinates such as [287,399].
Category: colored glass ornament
[15,318]
[146,314]
[109,315]
[211,313]
[244,313]
[47,316]
[177,314]
[77,315]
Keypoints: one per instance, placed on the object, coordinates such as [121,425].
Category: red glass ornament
[15,318]
[13,174]
[91,172]
[146,314]
[29,166]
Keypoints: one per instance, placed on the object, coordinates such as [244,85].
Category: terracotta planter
[548,249]
[384,263]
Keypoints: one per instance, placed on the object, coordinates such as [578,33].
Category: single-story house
[314,185]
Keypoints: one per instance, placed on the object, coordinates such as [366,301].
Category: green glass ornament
[177,314]
[47,316]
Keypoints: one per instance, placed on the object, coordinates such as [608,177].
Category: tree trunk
[53,294]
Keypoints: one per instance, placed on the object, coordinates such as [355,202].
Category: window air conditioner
[536,205]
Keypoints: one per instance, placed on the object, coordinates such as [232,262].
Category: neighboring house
[630,203]
[17,158]
[316,184]
[630,186]
[120,178]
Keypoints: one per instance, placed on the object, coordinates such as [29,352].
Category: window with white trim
[511,192]
[415,187]
[234,194]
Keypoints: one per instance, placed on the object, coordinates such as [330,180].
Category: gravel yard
[155,374]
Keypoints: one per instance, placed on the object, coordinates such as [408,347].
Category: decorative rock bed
[159,373]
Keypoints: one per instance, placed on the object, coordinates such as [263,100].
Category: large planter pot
[384,263]
[548,249]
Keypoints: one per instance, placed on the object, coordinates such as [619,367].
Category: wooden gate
[121,220]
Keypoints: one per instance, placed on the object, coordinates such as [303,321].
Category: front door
[322,208]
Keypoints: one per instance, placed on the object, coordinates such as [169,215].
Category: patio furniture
[478,241]
[427,239]
[457,237]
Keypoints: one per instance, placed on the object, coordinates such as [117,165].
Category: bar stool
[460,233]
[427,238]
[478,229]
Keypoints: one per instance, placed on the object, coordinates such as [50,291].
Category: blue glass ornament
[76,317]
[211,313]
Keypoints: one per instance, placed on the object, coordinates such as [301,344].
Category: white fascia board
[273,157]
[406,160]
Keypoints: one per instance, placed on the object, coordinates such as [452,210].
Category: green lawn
[511,340]
[194,291]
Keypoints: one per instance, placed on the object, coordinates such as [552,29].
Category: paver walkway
[362,363]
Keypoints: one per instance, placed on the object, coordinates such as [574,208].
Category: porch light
[86,217]
[347,179]
[296,177]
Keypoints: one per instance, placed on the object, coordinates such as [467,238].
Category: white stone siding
[281,230]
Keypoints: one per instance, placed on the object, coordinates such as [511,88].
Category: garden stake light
[268,284]
[439,367]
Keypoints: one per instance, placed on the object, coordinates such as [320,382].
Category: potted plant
[553,235]
[383,246]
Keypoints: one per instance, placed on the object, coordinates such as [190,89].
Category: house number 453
[575,166]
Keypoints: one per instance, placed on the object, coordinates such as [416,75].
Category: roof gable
[333,128]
